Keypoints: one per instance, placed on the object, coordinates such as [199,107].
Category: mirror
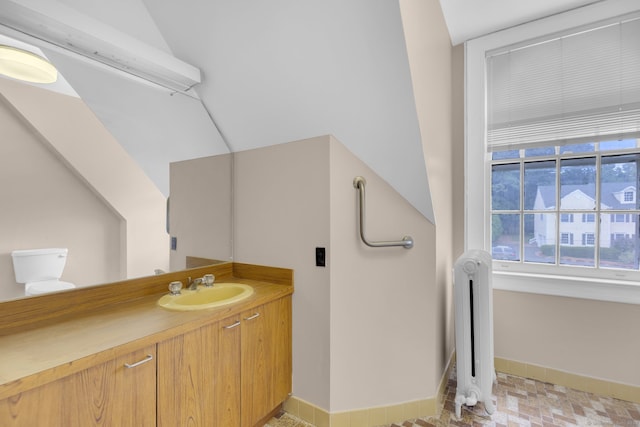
[91,173]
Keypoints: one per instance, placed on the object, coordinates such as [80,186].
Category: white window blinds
[580,87]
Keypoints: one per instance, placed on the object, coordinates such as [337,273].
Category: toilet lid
[46,286]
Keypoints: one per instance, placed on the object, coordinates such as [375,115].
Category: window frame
[618,286]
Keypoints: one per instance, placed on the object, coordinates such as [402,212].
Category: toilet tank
[32,265]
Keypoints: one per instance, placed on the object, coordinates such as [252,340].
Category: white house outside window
[578,183]
[556,117]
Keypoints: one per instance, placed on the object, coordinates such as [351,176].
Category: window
[550,105]
[566,238]
[566,217]
[618,218]
[549,108]
[629,196]
[588,217]
[532,193]
[588,239]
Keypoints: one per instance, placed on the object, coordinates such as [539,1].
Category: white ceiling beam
[57,24]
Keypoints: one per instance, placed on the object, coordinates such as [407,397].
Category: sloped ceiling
[154,127]
[468,19]
[284,70]
[275,72]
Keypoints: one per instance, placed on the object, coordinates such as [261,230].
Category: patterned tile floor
[522,402]
[286,420]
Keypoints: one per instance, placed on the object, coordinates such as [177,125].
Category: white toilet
[40,270]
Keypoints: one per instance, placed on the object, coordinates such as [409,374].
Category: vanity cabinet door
[282,362]
[266,359]
[109,394]
[199,377]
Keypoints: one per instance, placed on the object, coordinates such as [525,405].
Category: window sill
[575,287]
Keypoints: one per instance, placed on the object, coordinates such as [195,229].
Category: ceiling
[468,19]
[274,72]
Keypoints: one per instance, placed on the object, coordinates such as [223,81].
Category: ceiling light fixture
[27,66]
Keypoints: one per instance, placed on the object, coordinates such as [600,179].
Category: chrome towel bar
[406,242]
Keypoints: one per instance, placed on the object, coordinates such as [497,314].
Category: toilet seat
[46,286]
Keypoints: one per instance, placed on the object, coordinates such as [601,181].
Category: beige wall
[430,60]
[282,206]
[200,209]
[590,338]
[383,300]
[45,205]
[457,119]
[78,141]
[363,326]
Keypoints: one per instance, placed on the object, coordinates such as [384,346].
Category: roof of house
[607,198]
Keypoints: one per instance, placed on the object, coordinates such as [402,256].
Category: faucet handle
[174,288]
[208,280]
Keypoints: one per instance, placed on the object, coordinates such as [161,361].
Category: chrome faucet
[193,285]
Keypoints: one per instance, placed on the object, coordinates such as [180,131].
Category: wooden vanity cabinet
[109,394]
[231,373]
[234,372]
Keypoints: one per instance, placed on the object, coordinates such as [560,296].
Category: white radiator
[473,299]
